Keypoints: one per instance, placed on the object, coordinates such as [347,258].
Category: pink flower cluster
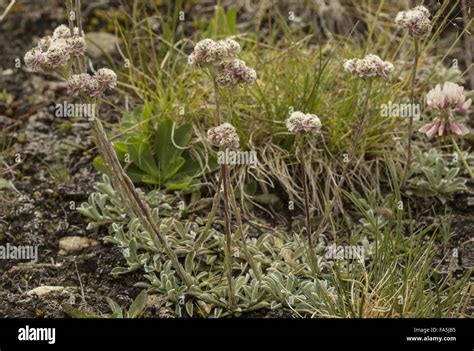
[416,21]
[234,72]
[210,52]
[300,122]
[224,136]
[222,56]
[55,53]
[369,66]
[92,86]
[447,100]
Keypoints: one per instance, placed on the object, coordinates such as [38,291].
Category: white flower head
[369,66]
[92,88]
[44,43]
[230,73]
[416,21]
[300,122]
[58,54]
[233,48]
[77,82]
[226,78]
[77,45]
[210,52]
[85,85]
[107,78]
[35,59]
[61,32]
[224,136]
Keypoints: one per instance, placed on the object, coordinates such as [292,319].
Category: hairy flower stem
[363,120]
[460,154]
[81,61]
[241,233]
[228,234]
[210,218]
[135,206]
[312,258]
[248,256]
[410,120]
[217,99]
[306,195]
[69,10]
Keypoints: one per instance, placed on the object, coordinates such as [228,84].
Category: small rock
[7,72]
[470,201]
[71,244]
[45,290]
[100,43]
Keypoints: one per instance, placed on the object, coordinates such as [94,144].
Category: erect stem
[466,165]
[410,120]
[69,9]
[305,192]
[311,255]
[216,98]
[81,61]
[248,256]
[363,119]
[210,218]
[228,234]
[134,205]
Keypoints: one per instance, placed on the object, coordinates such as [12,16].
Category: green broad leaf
[141,155]
[138,306]
[180,183]
[190,168]
[169,146]
[115,308]
[138,117]
[120,148]
[173,169]
[135,173]
[149,179]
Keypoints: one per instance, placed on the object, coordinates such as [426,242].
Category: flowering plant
[63,53]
